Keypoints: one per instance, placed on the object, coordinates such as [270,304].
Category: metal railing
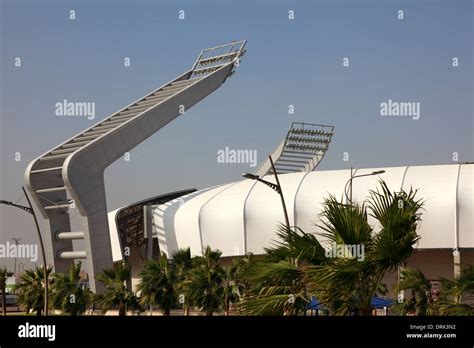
[213,58]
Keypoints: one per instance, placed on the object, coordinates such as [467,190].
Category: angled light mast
[300,151]
[72,173]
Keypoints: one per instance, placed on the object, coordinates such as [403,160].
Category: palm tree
[4,274]
[343,283]
[349,283]
[157,285]
[183,263]
[67,293]
[455,293]
[31,290]
[116,293]
[276,284]
[232,286]
[415,280]
[205,282]
[277,288]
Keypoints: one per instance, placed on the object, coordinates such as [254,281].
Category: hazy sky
[298,62]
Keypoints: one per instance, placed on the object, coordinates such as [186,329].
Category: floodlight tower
[301,150]
[71,175]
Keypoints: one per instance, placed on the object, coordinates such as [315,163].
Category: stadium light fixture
[250,176]
[302,149]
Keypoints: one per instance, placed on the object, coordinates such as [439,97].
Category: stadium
[236,218]
[241,217]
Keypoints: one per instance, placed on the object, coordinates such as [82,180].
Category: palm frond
[296,244]
[345,224]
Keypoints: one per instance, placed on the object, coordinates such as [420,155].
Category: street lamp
[17,242]
[29,209]
[276,187]
[349,182]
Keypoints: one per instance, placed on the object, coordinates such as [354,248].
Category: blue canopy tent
[377,303]
[380,302]
[314,304]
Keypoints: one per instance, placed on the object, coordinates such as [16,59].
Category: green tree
[415,280]
[157,285]
[183,263]
[4,274]
[345,283]
[276,282]
[277,288]
[348,284]
[456,294]
[67,293]
[116,294]
[31,290]
[205,282]
[232,286]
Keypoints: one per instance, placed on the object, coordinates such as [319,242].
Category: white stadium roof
[242,217]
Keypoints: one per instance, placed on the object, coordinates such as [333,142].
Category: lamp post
[17,242]
[349,182]
[29,209]
[276,187]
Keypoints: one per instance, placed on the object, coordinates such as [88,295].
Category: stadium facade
[242,217]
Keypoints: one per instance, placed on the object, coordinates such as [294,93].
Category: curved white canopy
[242,217]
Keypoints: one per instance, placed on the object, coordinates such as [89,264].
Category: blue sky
[295,62]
